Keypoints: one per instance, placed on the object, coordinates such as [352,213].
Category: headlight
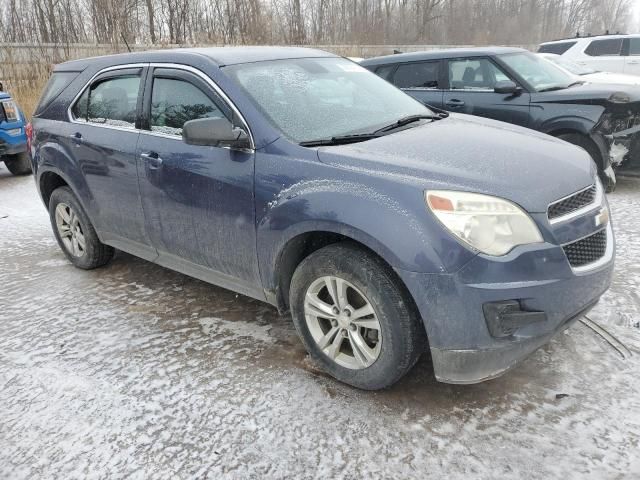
[489,224]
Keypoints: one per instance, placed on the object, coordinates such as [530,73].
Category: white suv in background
[618,53]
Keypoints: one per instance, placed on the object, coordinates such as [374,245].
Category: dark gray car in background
[513,85]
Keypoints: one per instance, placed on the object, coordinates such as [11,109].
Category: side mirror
[215,132]
[506,87]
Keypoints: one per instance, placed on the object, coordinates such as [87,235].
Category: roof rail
[588,35]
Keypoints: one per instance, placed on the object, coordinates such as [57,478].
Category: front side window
[111,101]
[474,74]
[312,98]
[634,46]
[418,75]
[174,102]
[601,48]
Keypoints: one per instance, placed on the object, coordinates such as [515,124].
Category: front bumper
[539,277]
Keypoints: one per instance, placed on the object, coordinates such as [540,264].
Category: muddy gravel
[135,371]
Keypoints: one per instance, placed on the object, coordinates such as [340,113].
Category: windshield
[316,98]
[573,67]
[539,73]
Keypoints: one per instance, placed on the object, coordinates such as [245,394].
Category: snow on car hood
[473,154]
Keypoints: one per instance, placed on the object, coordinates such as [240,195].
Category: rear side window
[174,102]
[111,101]
[418,75]
[55,85]
[609,46]
[557,48]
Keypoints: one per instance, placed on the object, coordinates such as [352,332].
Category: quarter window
[607,47]
[385,71]
[174,102]
[418,75]
[474,74]
[557,48]
[112,101]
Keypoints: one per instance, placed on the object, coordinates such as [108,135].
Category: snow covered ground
[136,371]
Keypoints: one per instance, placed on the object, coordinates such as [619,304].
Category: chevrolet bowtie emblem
[602,218]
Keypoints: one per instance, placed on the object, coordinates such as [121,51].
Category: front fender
[395,225]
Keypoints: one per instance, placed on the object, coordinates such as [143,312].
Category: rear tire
[585,143]
[19,164]
[392,331]
[75,233]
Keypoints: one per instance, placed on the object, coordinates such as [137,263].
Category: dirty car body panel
[238,218]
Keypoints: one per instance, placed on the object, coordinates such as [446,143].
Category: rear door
[198,200]
[632,56]
[604,54]
[103,142]
[421,80]
[471,83]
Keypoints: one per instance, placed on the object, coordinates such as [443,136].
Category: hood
[476,155]
[589,94]
[612,78]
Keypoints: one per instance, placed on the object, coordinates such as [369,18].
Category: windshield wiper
[578,82]
[339,140]
[407,120]
[553,89]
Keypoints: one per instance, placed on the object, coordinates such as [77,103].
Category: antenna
[125,42]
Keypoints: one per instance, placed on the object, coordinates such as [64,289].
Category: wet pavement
[136,371]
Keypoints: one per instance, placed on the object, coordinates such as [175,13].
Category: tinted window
[55,85]
[112,101]
[417,75]
[474,74]
[174,102]
[634,46]
[385,71]
[610,46]
[557,48]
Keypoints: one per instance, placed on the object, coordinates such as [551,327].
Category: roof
[592,37]
[221,56]
[438,54]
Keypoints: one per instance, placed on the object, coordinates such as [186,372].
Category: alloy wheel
[342,322]
[70,230]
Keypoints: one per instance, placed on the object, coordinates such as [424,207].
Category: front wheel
[75,234]
[607,175]
[19,164]
[353,317]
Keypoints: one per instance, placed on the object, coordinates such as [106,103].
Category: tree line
[302,22]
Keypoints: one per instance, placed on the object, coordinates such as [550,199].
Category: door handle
[152,159]
[76,138]
[454,103]
[633,62]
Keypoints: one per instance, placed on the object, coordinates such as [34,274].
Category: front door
[197,200]
[632,58]
[471,84]
[103,140]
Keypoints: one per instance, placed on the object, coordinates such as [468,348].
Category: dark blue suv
[13,136]
[303,180]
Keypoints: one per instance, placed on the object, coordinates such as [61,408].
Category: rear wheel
[608,177]
[75,234]
[353,317]
[19,164]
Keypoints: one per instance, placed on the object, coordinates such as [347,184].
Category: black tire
[581,141]
[19,164]
[403,334]
[96,253]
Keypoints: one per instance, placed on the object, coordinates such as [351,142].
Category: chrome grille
[587,250]
[572,203]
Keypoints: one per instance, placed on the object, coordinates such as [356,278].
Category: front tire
[75,233]
[608,178]
[353,317]
[19,164]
